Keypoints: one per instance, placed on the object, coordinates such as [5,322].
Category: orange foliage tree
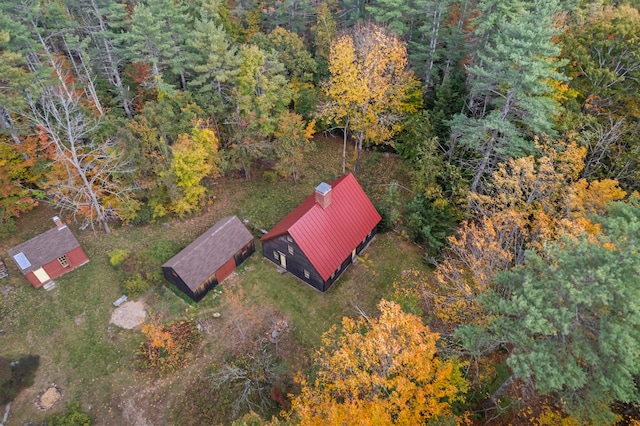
[166,347]
[381,370]
[530,201]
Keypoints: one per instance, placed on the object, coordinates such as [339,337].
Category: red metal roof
[327,236]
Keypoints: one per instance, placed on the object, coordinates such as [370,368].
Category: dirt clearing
[129,315]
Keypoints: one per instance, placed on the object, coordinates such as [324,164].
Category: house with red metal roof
[321,237]
[210,258]
[49,255]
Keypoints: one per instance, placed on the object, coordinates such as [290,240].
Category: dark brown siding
[297,262]
[202,290]
[175,279]
[244,254]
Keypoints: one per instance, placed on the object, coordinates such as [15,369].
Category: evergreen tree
[157,36]
[216,63]
[510,83]
[571,313]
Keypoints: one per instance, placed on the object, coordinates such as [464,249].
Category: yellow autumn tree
[293,140]
[529,202]
[194,157]
[369,88]
[381,370]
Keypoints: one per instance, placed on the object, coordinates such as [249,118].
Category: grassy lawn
[92,361]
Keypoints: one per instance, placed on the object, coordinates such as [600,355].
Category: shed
[49,255]
[321,237]
[209,259]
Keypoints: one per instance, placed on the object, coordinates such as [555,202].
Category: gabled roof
[327,236]
[207,253]
[43,248]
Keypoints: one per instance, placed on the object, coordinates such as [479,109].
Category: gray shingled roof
[210,251]
[45,247]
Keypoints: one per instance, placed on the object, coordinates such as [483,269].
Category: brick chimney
[323,195]
[58,222]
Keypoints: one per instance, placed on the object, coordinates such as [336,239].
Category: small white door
[353,256]
[42,275]
[283,260]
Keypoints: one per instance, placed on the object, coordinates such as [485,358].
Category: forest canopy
[517,122]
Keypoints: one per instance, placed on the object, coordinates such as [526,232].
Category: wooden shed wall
[212,280]
[172,276]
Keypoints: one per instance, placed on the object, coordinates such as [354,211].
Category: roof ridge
[204,237]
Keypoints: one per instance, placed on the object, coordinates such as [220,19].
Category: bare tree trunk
[490,146]
[344,148]
[70,133]
[7,122]
[488,153]
[113,74]
[433,44]
[54,64]
[93,94]
[359,142]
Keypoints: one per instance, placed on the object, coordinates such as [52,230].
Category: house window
[289,238]
[306,274]
[333,275]
[290,249]
[275,255]
[63,261]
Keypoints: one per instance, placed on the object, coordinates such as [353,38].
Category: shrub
[73,416]
[117,256]
[136,285]
[162,251]
[144,215]
[166,346]
[271,176]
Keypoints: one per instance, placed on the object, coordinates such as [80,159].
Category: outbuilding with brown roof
[49,255]
[209,259]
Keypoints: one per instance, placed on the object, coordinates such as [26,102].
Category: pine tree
[572,316]
[510,83]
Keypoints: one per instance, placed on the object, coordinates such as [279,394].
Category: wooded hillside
[517,122]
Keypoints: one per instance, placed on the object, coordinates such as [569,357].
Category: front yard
[92,361]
